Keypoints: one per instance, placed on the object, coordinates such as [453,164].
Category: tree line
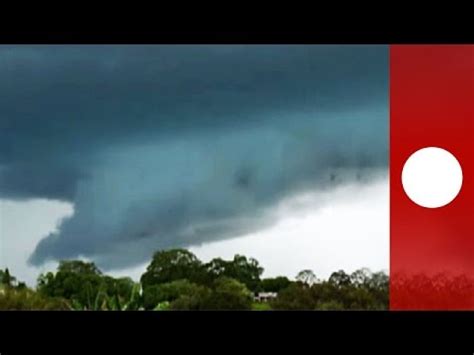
[177,280]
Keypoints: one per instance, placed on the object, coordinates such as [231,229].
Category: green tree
[275,284]
[7,279]
[122,287]
[228,294]
[171,265]
[27,299]
[340,278]
[169,292]
[306,277]
[378,281]
[78,267]
[176,279]
[378,285]
[74,280]
[84,285]
[297,296]
[245,270]
[361,277]
[195,300]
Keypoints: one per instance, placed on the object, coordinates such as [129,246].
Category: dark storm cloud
[161,146]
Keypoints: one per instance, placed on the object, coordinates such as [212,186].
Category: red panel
[431,104]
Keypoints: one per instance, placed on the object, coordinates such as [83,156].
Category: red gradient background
[431,104]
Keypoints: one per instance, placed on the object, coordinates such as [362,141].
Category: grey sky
[163,146]
[345,228]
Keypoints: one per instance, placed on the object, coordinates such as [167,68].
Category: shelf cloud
[163,146]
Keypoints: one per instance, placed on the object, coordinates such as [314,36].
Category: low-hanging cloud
[160,146]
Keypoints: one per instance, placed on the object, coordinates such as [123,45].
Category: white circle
[432,177]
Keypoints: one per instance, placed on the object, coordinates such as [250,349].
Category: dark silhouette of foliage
[246,271]
[295,297]
[275,284]
[171,265]
[17,296]
[27,299]
[177,280]
[83,284]
[169,292]
[6,279]
[360,290]
[197,300]
[228,294]
[306,277]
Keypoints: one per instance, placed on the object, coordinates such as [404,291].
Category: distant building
[265,296]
